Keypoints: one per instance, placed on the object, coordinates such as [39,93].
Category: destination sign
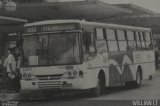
[50,28]
[57,28]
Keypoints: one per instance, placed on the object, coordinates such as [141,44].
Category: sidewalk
[20,96]
[9,96]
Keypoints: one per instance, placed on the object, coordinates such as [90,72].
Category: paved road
[149,90]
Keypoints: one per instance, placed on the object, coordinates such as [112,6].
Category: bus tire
[100,88]
[137,83]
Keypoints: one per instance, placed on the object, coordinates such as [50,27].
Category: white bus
[79,55]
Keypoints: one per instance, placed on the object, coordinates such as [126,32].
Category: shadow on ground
[70,96]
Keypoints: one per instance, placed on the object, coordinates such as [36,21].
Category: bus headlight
[28,76]
[24,76]
[69,74]
[73,74]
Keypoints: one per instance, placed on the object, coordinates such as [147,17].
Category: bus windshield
[51,49]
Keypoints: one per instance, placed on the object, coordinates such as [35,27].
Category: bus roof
[82,22]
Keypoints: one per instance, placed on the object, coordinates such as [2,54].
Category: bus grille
[50,85]
[49,77]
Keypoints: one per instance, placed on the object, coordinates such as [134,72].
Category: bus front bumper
[62,84]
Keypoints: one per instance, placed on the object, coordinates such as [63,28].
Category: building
[8,25]
[12,22]
[39,10]
[139,17]
[91,10]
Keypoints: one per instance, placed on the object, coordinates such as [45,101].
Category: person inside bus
[10,64]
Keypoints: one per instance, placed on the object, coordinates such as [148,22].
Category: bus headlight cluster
[73,74]
[27,76]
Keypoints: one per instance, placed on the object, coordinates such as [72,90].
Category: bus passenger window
[99,33]
[131,40]
[89,45]
[138,41]
[147,36]
[110,34]
[122,45]
[122,40]
[101,45]
[111,39]
[112,46]
[148,40]
[149,45]
[142,40]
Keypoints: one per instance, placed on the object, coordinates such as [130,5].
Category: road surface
[149,90]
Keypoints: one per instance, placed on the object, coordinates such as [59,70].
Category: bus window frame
[84,34]
[138,40]
[142,40]
[133,40]
[151,40]
[151,36]
[115,32]
[125,39]
[104,38]
[96,36]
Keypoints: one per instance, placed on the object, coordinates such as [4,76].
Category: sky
[153,5]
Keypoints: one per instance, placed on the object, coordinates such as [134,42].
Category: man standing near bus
[11,70]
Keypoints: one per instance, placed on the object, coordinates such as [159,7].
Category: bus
[78,55]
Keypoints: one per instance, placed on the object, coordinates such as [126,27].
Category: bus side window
[99,33]
[142,40]
[122,40]
[148,40]
[101,44]
[89,45]
[111,39]
[138,41]
[131,40]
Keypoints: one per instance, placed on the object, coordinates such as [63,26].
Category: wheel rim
[138,78]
